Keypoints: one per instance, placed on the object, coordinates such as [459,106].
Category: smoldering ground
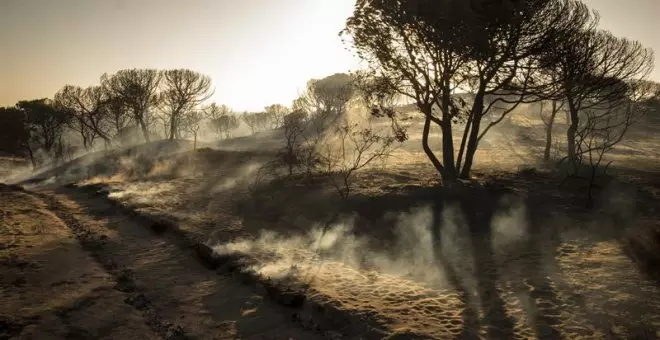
[521,264]
[483,253]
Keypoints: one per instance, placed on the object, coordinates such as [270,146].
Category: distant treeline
[142,104]
[464,66]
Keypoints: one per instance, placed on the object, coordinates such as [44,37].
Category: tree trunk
[448,152]
[473,140]
[172,127]
[145,131]
[427,149]
[461,150]
[548,131]
[31,154]
[571,132]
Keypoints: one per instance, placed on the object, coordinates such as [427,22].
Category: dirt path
[172,295]
[50,288]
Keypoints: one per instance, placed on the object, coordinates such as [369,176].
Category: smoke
[438,254]
[509,226]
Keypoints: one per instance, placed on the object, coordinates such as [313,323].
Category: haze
[258,52]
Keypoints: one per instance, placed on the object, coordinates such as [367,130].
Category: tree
[192,122]
[426,51]
[45,125]
[256,121]
[183,91]
[353,148]
[221,119]
[596,69]
[326,100]
[293,127]
[137,89]
[548,119]
[14,133]
[276,113]
[89,112]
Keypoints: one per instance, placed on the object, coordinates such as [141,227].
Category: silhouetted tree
[137,89]
[45,124]
[276,113]
[596,69]
[192,122]
[118,114]
[427,50]
[14,133]
[352,148]
[326,100]
[89,113]
[256,121]
[183,91]
[293,127]
[221,119]
[548,119]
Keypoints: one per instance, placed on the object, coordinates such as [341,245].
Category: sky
[257,52]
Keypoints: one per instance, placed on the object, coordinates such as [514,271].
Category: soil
[108,246]
[75,267]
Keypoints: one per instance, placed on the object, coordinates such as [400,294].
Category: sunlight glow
[258,52]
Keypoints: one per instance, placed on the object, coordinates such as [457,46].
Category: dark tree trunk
[461,150]
[449,174]
[473,140]
[571,132]
[427,149]
[145,131]
[548,132]
[31,154]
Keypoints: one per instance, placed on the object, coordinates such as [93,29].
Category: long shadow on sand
[478,284]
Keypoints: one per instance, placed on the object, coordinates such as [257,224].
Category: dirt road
[73,267]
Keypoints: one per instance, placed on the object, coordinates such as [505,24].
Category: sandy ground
[544,269]
[564,277]
[51,288]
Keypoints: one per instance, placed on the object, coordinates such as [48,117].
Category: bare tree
[221,119]
[326,100]
[353,148]
[293,128]
[601,129]
[45,124]
[138,91]
[183,91]
[596,69]
[252,120]
[425,51]
[192,122]
[548,119]
[118,114]
[276,113]
[89,110]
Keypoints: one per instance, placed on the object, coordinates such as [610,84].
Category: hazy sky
[258,52]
